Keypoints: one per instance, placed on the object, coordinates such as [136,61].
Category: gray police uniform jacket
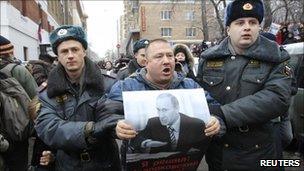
[252,89]
[62,118]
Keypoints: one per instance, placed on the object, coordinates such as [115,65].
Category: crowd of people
[290,33]
[75,110]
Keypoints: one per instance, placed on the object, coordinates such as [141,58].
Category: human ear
[228,30]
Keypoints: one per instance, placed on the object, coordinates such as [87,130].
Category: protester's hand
[150,143]
[125,131]
[213,127]
[46,158]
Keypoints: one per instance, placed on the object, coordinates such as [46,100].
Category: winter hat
[5,46]
[180,49]
[68,32]
[142,43]
[244,8]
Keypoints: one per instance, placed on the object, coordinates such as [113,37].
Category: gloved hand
[100,128]
[151,143]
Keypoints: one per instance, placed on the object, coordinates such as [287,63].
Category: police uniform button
[257,146]
[233,57]
[228,88]
[211,82]
[258,80]
[226,145]
[65,118]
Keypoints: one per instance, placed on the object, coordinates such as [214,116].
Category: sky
[103,17]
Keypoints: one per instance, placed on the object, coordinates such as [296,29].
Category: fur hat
[185,49]
[142,43]
[244,8]
[68,32]
[5,46]
[180,49]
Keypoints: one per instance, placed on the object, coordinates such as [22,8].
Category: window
[25,53]
[190,15]
[166,32]
[134,6]
[190,32]
[166,15]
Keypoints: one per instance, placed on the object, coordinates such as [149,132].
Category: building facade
[177,21]
[27,23]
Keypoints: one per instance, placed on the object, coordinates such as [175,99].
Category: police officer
[67,120]
[139,60]
[249,76]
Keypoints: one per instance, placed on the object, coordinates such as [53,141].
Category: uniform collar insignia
[253,62]
[215,64]
[61,99]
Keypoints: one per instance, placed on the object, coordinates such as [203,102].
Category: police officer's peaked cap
[142,43]
[68,32]
[244,8]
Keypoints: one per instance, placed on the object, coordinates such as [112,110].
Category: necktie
[172,137]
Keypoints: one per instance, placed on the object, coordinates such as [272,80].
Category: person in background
[16,157]
[250,77]
[184,57]
[40,68]
[289,39]
[121,63]
[137,62]
[108,70]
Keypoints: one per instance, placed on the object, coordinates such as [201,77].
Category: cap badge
[62,32]
[247,7]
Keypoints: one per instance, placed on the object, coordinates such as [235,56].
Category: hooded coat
[188,64]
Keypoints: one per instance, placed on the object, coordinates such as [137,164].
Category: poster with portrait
[170,126]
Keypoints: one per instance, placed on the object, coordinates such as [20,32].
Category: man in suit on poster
[171,130]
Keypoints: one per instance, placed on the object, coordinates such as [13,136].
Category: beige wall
[178,21]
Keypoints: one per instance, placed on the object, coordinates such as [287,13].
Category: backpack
[14,119]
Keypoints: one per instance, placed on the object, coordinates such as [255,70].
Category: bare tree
[204,20]
[267,15]
[281,10]
[217,13]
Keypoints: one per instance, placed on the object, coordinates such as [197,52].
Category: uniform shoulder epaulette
[42,87]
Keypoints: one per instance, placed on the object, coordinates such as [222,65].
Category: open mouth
[166,70]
